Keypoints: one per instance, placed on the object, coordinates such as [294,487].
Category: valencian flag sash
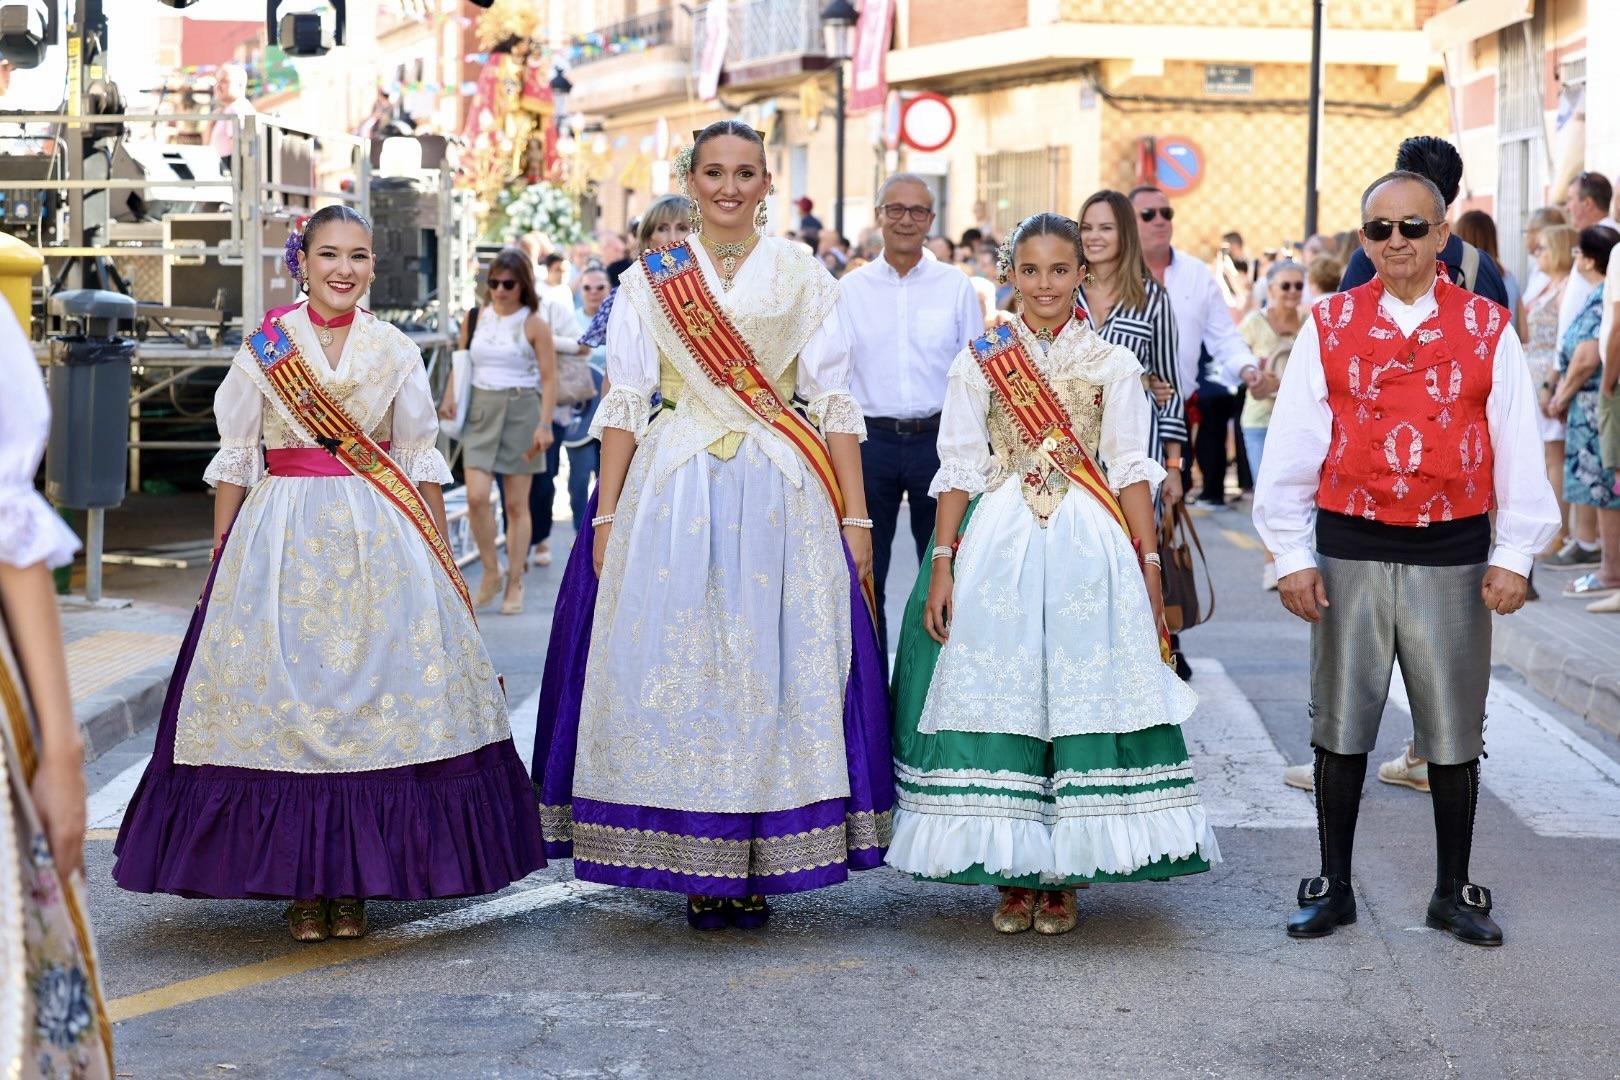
[1043,423]
[726,358]
[323,418]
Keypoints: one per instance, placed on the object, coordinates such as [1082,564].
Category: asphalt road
[886,977]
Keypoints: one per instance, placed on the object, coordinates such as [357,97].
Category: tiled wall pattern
[1362,15]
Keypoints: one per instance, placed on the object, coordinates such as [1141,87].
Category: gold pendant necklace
[1044,335]
[728,254]
[325,335]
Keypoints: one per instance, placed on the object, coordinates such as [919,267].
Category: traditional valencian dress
[52,1019]
[1041,746]
[713,719]
[334,727]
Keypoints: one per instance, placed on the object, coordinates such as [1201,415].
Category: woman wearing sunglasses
[1270,332]
[508,429]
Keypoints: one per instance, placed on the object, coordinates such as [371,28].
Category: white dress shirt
[557,312]
[1202,321]
[1302,426]
[906,331]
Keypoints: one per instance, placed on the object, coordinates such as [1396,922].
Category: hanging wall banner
[868,82]
[716,35]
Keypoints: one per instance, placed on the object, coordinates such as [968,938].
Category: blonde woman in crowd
[1552,248]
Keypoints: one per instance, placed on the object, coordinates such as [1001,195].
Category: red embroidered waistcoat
[1411,444]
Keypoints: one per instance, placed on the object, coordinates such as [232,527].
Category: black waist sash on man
[1463,542]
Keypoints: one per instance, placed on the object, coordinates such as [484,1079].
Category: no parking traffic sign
[1178,164]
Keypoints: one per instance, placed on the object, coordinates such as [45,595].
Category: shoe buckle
[1315,888]
[1475,896]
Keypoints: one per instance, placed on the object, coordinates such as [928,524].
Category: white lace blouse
[381,382]
[30,531]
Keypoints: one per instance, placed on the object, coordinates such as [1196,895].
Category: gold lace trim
[702,856]
[557,823]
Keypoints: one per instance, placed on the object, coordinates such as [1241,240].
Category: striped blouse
[1150,332]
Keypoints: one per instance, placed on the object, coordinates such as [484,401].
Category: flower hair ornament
[1004,257]
[295,244]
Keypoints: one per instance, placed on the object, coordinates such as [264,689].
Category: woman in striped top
[1127,307]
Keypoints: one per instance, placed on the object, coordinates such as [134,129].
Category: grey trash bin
[87,455]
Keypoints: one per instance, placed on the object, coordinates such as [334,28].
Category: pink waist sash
[308,461]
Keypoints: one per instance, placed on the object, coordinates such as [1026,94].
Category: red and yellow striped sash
[728,361]
[306,398]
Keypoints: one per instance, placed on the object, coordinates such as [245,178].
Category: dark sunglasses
[1157,211]
[593,288]
[1380,229]
[1290,286]
[895,211]
[503,283]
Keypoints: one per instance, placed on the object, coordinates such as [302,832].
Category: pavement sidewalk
[1566,652]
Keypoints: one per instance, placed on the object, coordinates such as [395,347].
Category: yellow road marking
[1242,540]
[96,662]
[330,953]
[101,834]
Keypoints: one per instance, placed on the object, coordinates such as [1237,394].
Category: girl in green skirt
[1038,744]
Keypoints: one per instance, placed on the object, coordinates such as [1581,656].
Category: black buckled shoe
[1464,912]
[1324,904]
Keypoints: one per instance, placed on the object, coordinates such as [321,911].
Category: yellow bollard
[19,266]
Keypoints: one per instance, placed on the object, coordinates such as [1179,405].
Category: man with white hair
[230,96]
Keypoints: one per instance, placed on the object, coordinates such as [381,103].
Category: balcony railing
[763,29]
[630,36]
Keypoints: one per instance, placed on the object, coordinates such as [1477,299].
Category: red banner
[868,79]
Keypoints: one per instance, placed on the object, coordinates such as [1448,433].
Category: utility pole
[1313,165]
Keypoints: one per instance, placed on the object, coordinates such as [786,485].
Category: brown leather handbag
[1178,540]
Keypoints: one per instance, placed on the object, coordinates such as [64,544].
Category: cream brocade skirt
[333,643]
[720,648]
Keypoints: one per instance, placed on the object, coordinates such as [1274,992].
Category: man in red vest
[1406,415]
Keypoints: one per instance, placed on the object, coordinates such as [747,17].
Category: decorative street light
[560,89]
[838,23]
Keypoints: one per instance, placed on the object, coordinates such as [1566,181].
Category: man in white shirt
[1204,329]
[909,318]
[230,89]
[1377,509]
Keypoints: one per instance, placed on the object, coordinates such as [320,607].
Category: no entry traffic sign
[1178,164]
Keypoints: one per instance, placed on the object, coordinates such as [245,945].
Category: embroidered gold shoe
[348,918]
[1016,911]
[1056,912]
[307,919]
[488,586]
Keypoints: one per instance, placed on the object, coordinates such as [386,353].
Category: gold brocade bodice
[671,385]
[1043,484]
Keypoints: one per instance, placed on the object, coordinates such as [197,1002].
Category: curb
[1585,684]
[126,708]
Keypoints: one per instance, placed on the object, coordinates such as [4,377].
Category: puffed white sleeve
[1296,447]
[1123,444]
[30,531]
[965,463]
[632,373]
[239,412]
[415,436]
[826,365]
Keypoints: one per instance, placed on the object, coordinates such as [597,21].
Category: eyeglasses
[895,211]
[1380,229]
[1290,286]
[1157,211]
[503,283]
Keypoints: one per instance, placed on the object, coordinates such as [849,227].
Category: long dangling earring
[761,219]
[1090,278]
[697,217]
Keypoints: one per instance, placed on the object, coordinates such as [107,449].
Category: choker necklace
[728,254]
[323,328]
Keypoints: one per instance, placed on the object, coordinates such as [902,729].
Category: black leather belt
[905,427]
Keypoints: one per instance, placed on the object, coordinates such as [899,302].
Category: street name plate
[1229,79]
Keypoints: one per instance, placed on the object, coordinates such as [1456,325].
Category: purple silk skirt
[713,854]
[463,826]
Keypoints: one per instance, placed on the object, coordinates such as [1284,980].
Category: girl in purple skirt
[334,731]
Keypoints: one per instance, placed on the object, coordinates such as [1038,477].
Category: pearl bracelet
[1152,559]
[857,523]
[598,522]
[944,551]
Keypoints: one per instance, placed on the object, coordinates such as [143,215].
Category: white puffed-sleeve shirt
[30,531]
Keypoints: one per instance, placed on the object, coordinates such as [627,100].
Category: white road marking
[106,806]
[523,716]
[1237,765]
[1554,781]
[501,907]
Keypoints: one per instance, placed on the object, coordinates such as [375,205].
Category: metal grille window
[1521,138]
[1023,182]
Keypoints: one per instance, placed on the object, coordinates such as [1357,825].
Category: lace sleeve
[239,465]
[1123,476]
[31,532]
[422,464]
[623,408]
[956,476]
[837,411]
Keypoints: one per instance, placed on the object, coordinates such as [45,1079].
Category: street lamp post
[1314,163]
[560,89]
[838,23]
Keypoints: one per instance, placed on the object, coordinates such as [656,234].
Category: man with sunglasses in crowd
[1207,344]
[910,314]
[1406,416]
